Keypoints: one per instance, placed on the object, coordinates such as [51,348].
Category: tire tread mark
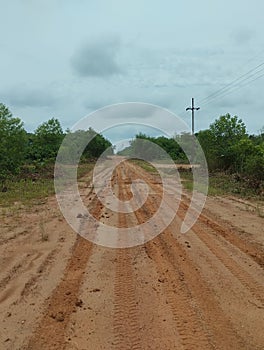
[204,301]
[252,249]
[208,237]
[192,333]
[126,315]
[126,322]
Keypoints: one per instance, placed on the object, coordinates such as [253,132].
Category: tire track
[205,225]
[12,273]
[18,268]
[43,268]
[204,302]
[188,322]
[197,313]
[126,319]
[62,303]
[50,333]
[126,315]
[208,236]
[251,249]
[192,332]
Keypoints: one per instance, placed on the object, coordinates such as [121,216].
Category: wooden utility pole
[192,109]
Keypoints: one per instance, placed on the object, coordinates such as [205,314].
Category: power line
[235,87]
[232,84]
[231,87]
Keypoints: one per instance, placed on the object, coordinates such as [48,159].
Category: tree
[206,140]
[254,165]
[97,145]
[84,145]
[258,139]
[46,141]
[218,142]
[250,160]
[12,143]
[155,148]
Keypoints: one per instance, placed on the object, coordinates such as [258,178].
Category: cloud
[97,59]
[29,97]
[243,36]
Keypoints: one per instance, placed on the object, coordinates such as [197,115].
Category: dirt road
[200,290]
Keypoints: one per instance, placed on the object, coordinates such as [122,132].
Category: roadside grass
[221,184]
[33,191]
[144,165]
[25,191]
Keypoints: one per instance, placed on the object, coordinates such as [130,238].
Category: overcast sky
[64,59]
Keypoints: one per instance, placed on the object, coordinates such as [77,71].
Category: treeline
[226,145]
[29,154]
[143,146]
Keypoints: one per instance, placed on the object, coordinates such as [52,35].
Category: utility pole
[192,109]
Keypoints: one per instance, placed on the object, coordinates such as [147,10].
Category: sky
[66,59]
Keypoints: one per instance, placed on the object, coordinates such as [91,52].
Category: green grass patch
[219,183]
[25,191]
[30,190]
[145,165]
[223,184]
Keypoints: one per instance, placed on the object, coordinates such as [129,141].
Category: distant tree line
[23,153]
[144,147]
[226,145]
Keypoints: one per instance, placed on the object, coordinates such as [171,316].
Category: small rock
[96,290]
[79,216]
[60,317]
[79,303]
[188,244]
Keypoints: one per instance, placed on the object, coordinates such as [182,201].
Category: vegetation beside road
[221,183]
[235,159]
[27,159]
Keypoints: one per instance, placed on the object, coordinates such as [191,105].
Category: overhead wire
[246,81]
[233,84]
[236,84]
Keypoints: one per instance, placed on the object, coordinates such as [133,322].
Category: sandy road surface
[201,290]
